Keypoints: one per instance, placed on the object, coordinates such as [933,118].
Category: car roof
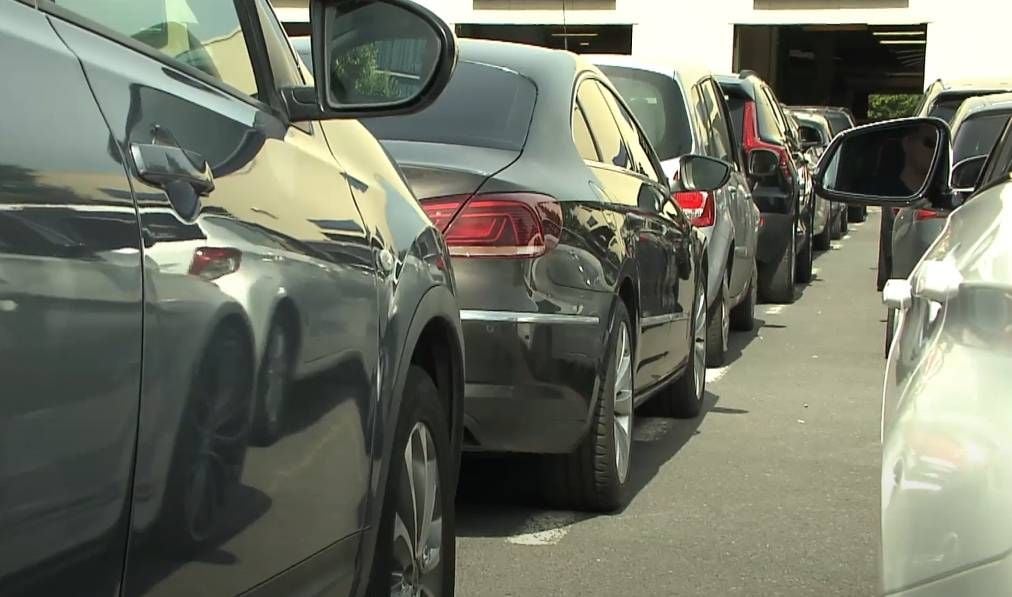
[805,115]
[726,82]
[980,104]
[686,71]
[970,84]
[542,65]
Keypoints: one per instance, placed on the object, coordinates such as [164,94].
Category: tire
[844,225]
[683,397]
[595,476]
[210,447]
[422,426]
[273,385]
[838,228]
[857,213]
[804,274]
[776,283]
[890,330]
[717,328]
[822,239]
[743,315]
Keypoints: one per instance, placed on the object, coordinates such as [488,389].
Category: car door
[743,211]
[634,198]
[70,323]
[220,505]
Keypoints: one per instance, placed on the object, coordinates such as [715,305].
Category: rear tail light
[698,206]
[750,128]
[210,263]
[497,224]
[927,214]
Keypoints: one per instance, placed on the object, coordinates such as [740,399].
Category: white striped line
[775,309]
[713,375]
[544,528]
[816,271]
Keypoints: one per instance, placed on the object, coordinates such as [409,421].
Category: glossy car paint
[825,211]
[155,392]
[945,467]
[535,329]
[731,240]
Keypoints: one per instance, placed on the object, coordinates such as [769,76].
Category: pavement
[774,490]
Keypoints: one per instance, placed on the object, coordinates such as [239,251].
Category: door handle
[734,192]
[165,165]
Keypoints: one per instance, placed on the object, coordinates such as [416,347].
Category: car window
[736,107]
[977,134]
[945,108]
[581,135]
[699,110]
[999,164]
[658,104]
[204,35]
[838,122]
[284,67]
[603,126]
[482,106]
[717,125]
[770,128]
[639,148]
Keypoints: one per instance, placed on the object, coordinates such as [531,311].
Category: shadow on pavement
[738,341]
[498,494]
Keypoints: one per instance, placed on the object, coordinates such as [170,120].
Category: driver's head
[919,149]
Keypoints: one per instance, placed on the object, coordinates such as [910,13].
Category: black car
[581,283]
[169,427]
[781,189]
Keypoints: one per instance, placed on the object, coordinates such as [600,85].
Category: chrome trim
[518,317]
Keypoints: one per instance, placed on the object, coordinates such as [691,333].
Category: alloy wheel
[623,403]
[276,374]
[416,569]
[699,342]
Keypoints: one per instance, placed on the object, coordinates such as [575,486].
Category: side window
[639,148]
[698,108]
[581,136]
[999,163]
[204,35]
[284,67]
[603,126]
[781,119]
[718,125]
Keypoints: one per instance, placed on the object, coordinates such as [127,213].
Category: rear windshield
[977,134]
[659,106]
[838,122]
[483,106]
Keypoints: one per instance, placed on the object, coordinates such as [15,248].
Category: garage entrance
[839,65]
[582,39]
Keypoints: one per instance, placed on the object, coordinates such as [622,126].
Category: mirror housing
[763,163]
[700,173]
[373,58]
[889,164]
[966,174]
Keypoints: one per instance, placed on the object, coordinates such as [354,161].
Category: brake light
[497,225]
[698,206]
[751,140]
[211,263]
[927,214]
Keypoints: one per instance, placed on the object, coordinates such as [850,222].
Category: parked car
[779,189]
[187,235]
[582,285]
[840,119]
[975,128]
[945,473]
[941,99]
[682,111]
[830,216]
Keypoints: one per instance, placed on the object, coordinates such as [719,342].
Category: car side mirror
[700,173]
[373,58]
[890,164]
[966,174]
[763,163]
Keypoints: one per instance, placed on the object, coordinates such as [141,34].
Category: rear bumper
[530,379]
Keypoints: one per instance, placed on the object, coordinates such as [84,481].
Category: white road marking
[775,309]
[712,375]
[544,528]
[815,271]
[845,237]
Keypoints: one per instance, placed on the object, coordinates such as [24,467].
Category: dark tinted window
[659,106]
[770,128]
[699,109]
[945,108]
[976,136]
[838,122]
[736,106]
[581,136]
[639,146]
[603,125]
[717,126]
[1000,162]
[483,106]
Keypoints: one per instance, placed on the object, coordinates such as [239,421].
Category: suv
[229,337]
[840,119]
[776,163]
[683,111]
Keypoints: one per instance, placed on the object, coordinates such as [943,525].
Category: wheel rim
[699,341]
[623,402]
[754,291]
[416,557]
[725,321]
[276,374]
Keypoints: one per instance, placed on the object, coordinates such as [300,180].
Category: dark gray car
[581,283]
[229,339]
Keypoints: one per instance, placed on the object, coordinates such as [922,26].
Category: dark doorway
[582,39]
[840,65]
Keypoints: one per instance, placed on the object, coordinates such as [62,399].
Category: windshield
[946,107]
[838,122]
[659,106]
[977,134]
[483,106]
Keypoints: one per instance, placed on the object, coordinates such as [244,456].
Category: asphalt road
[773,491]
